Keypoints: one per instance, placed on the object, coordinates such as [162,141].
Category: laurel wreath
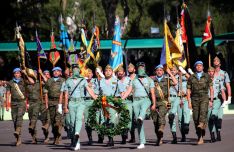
[106,128]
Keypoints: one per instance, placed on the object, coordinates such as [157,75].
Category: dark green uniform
[53,87]
[18,105]
[200,100]
[34,99]
[161,104]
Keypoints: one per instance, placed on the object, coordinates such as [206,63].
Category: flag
[208,36]
[116,58]
[73,57]
[40,51]
[169,47]
[54,55]
[21,46]
[187,35]
[83,38]
[180,59]
[64,39]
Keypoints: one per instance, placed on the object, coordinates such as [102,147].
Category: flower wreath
[103,102]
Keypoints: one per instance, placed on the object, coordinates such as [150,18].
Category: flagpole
[39,68]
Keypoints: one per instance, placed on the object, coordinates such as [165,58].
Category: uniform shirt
[199,87]
[14,93]
[93,84]
[174,90]
[139,89]
[108,88]
[163,85]
[123,86]
[223,76]
[217,86]
[53,87]
[71,83]
[34,91]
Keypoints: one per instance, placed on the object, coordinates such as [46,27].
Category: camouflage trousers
[159,115]
[33,113]
[18,108]
[44,116]
[200,110]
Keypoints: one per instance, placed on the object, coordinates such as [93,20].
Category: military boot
[89,134]
[212,137]
[174,141]
[200,140]
[110,142]
[100,138]
[124,137]
[132,140]
[218,136]
[183,139]
[17,136]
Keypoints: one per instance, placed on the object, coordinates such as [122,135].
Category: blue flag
[116,58]
[64,39]
[163,54]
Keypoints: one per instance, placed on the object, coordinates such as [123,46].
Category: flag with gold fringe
[40,51]
[54,55]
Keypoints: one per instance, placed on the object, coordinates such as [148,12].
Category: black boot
[100,138]
[218,136]
[132,140]
[183,139]
[174,141]
[89,134]
[110,142]
[212,137]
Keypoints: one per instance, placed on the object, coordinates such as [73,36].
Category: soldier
[224,78]
[215,106]
[108,87]
[2,99]
[124,85]
[93,84]
[44,112]
[183,109]
[161,83]
[35,101]
[198,86]
[75,103]
[17,88]
[143,90]
[132,76]
[52,94]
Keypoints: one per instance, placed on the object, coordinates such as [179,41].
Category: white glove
[182,70]
[100,73]
[224,104]
[229,100]
[60,110]
[190,71]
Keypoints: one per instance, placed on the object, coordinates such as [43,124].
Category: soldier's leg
[45,120]
[155,115]
[161,121]
[59,121]
[218,123]
[52,114]
[196,109]
[72,105]
[128,104]
[88,104]
[100,119]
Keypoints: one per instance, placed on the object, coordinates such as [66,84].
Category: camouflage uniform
[34,99]
[18,105]
[52,88]
[200,100]
[161,104]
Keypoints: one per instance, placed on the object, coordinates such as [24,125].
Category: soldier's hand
[7,108]
[153,107]
[66,110]
[210,104]
[189,104]
[60,110]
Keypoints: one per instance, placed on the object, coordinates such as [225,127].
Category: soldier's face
[199,67]
[131,69]
[211,73]
[90,75]
[47,74]
[216,63]
[17,74]
[57,73]
[120,74]
[174,71]
[159,72]
[108,73]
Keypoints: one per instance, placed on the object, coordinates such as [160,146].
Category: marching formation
[66,102]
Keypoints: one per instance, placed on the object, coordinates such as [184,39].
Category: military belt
[172,95]
[139,98]
[129,98]
[213,98]
[88,98]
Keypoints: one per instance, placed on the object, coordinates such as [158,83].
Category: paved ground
[226,145]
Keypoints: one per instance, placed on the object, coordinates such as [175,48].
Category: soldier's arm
[126,94]
[189,85]
[66,102]
[211,89]
[29,79]
[42,75]
[223,95]
[7,100]
[91,92]
[152,91]
[174,80]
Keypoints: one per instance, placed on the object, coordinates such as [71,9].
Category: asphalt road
[7,140]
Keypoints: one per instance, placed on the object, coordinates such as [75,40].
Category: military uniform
[214,111]
[52,88]
[2,100]
[141,102]
[183,109]
[93,84]
[199,86]
[34,99]
[17,88]
[161,93]
[122,87]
